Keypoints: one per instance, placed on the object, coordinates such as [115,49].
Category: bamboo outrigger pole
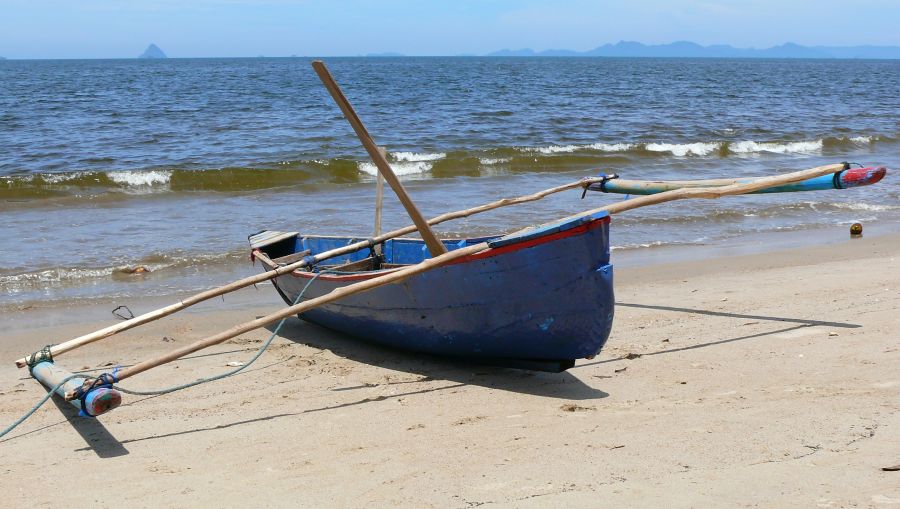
[847,178]
[718,192]
[432,263]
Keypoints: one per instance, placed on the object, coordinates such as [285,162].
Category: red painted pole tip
[856,177]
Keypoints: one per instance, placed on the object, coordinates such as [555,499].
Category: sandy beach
[764,380]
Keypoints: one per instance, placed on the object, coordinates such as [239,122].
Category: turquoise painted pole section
[624,187]
[98,401]
[848,178]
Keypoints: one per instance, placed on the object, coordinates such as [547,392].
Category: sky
[244,28]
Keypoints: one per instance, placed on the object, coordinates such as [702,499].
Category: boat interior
[284,248]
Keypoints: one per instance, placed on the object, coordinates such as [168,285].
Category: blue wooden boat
[536,299]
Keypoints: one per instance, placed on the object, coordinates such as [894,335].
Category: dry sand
[764,380]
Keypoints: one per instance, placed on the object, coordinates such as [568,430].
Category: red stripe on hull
[487,253]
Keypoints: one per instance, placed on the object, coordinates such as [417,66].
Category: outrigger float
[538,298]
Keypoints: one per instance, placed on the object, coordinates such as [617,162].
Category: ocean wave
[566,149]
[488,161]
[400,169]
[555,149]
[483,162]
[140,178]
[612,147]
[154,262]
[707,148]
[659,243]
[417,157]
[795,147]
[871,207]
[685,149]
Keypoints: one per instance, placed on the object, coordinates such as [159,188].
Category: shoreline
[68,311]
[731,381]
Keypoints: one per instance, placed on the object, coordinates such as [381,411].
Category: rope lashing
[42,355]
[590,186]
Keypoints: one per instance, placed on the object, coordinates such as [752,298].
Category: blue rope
[227,374]
[168,390]
[39,404]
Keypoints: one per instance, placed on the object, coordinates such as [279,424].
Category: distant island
[153,51]
[692,49]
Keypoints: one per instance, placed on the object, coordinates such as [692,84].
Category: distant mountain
[692,49]
[153,51]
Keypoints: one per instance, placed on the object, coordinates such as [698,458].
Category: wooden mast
[379,202]
[435,247]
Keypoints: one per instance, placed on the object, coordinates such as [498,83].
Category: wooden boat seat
[394,265]
[291,258]
[364,265]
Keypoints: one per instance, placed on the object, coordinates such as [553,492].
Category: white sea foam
[487,161]
[862,139]
[684,149]
[54,276]
[555,149]
[140,178]
[658,243]
[864,206]
[56,178]
[602,147]
[416,157]
[611,147]
[750,147]
[401,169]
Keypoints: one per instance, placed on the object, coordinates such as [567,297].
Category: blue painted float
[537,299]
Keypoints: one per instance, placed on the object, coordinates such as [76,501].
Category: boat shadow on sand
[791,324]
[551,385]
[432,367]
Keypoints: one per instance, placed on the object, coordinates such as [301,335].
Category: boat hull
[540,299]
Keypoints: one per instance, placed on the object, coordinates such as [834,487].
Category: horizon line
[569,53]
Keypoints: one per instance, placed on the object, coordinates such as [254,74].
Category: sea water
[170,164]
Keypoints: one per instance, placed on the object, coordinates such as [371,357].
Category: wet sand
[758,380]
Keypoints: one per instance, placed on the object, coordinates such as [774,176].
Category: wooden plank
[357,266]
[384,168]
[291,258]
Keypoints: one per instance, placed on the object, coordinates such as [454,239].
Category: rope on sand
[168,390]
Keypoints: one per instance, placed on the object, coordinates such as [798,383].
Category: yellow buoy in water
[855,229]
